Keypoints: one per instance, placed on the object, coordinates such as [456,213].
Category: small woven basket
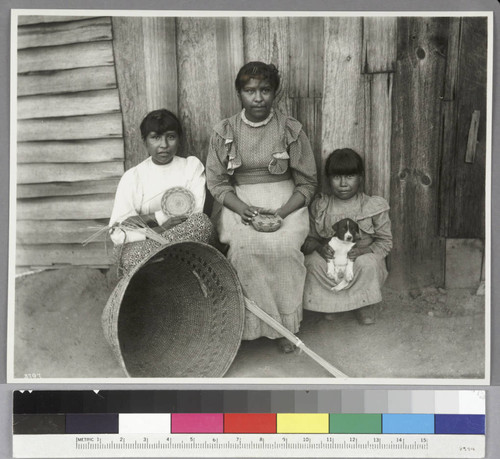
[179,313]
[266,222]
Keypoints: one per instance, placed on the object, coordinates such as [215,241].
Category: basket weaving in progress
[179,313]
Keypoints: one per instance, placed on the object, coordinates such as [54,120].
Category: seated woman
[139,194]
[261,158]
[345,172]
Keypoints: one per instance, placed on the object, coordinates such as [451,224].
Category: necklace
[258,124]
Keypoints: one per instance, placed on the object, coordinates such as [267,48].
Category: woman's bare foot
[285,346]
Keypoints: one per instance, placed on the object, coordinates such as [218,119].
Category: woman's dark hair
[260,71]
[160,121]
[344,161]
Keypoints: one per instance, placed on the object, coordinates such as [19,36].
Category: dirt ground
[433,333]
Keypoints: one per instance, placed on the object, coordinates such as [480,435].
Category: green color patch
[355,423]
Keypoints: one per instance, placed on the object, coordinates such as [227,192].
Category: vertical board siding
[199,96]
[160,63]
[230,58]
[306,77]
[343,91]
[378,138]
[466,192]
[128,47]
[70,140]
[307,38]
[267,40]
[418,250]
[379,44]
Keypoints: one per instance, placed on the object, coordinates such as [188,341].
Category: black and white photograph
[250,197]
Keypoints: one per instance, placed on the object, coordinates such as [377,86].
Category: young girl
[345,173]
[139,193]
[262,158]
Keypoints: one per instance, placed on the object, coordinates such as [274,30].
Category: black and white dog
[340,268]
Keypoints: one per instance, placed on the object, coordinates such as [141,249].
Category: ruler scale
[448,424]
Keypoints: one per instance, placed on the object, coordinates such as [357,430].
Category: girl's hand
[325,251]
[174,221]
[248,213]
[356,252]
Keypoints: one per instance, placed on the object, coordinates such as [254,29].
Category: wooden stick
[252,307]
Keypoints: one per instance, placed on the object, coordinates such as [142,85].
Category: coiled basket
[179,313]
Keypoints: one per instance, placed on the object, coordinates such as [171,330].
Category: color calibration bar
[134,424]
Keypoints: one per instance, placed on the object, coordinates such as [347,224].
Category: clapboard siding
[70,140]
[39,190]
[36,19]
[80,103]
[65,57]
[66,207]
[66,81]
[64,33]
[70,128]
[45,255]
[67,172]
[70,151]
[59,231]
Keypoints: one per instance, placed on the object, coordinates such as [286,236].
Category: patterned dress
[139,193]
[372,215]
[264,166]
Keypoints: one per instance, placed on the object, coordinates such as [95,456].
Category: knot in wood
[420,53]
[425,179]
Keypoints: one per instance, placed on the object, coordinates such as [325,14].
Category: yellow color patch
[302,423]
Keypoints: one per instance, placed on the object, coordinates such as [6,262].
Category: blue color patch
[92,423]
[408,423]
[472,424]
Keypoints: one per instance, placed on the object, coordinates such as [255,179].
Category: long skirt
[370,274]
[270,266]
[197,227]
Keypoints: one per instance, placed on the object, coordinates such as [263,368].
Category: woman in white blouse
[139,193]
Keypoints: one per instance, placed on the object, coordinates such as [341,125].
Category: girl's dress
[264,164]
[139,193]
[372,215]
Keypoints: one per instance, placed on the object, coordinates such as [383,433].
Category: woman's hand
[356,252]
[173,221]
[247,213]
[325,251]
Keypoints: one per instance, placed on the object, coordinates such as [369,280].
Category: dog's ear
[335,227]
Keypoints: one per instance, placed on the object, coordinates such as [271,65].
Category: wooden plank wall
[70,152]
[379,85]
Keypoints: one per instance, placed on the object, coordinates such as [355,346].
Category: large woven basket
[179,313]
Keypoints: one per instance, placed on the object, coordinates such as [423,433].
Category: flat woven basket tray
[178,201]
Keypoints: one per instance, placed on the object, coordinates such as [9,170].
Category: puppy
[340,268]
